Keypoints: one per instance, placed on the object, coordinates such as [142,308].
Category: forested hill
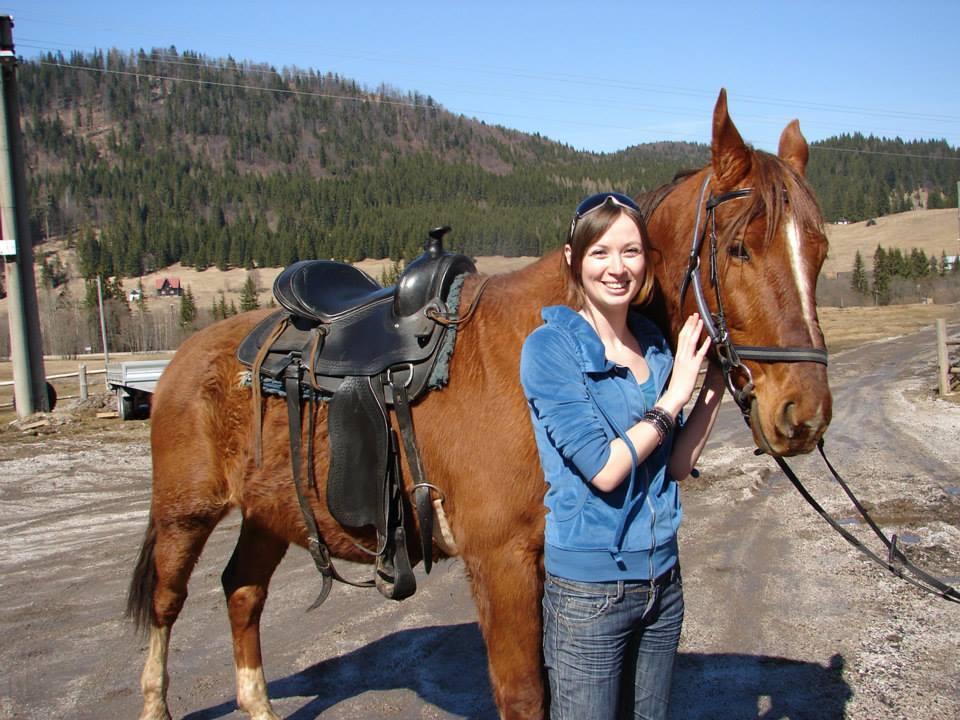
[146,159]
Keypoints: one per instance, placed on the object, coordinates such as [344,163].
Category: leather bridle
[729,353]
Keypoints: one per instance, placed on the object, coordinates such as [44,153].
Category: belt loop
[620,591]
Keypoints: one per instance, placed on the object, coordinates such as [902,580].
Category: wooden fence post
[83,381]
[943,358]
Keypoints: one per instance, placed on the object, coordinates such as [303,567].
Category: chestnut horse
[769,253]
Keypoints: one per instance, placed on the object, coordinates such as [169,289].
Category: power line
[214,83]
[594,81]
[371,97]
[883,152]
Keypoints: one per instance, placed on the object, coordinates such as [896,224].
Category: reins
[896,562]
[730,356]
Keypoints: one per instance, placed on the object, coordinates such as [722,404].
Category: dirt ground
[784,619]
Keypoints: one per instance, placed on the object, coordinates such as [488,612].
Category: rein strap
[896,562]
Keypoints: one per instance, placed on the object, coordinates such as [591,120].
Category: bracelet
[661,421]
[665,416]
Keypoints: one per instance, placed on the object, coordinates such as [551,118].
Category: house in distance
[169,286]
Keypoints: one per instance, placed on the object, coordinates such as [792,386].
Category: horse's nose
[793,426]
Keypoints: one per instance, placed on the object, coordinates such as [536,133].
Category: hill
[154,158]
[933,231]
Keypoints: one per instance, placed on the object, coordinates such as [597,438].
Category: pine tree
[859,280]
[881,277]
[188,309]
[248,294]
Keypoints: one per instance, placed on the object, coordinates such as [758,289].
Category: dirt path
[784,619]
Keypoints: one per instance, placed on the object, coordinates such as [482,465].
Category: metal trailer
[133,383]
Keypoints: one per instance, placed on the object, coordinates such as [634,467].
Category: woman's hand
[686,366]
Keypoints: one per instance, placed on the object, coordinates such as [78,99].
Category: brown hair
[587,230]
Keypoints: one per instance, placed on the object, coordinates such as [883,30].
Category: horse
[476,442]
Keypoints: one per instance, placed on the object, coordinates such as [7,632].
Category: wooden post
[82,374]
[943,358]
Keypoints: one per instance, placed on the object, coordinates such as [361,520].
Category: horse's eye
[739,251]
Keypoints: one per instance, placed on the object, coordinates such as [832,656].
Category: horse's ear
[731,156]
[793,147]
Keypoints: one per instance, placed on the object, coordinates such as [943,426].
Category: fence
[82,386]
[948,372]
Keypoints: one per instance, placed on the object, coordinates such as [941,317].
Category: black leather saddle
[363,348]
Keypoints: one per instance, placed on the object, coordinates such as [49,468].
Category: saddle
[342,338]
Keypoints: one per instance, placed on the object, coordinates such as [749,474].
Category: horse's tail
[143,584]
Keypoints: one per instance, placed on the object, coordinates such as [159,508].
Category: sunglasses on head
[594,202]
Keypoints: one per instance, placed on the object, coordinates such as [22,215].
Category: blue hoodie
[579,401]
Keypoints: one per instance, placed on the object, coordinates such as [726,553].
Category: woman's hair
[588,229]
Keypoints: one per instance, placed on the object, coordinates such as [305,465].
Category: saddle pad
[359,436]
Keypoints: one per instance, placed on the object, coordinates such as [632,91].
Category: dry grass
[848,327]
[933,231]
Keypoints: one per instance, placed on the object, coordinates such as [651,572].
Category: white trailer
[133,382]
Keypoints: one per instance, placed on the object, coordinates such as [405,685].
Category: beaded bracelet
[661,421]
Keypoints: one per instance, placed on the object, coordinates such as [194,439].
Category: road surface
[784,619]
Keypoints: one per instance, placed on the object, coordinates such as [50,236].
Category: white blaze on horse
[476,446]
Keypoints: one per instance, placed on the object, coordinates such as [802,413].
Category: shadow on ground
[446,667]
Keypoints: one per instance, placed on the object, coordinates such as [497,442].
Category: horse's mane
[776,187]
[648,202]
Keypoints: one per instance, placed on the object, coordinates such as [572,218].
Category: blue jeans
[609,647]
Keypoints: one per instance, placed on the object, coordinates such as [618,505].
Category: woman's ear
[567,254]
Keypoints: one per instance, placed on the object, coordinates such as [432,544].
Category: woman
[612,450]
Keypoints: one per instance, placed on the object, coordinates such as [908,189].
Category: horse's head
[754,225]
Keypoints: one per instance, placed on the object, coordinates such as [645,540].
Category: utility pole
[26,346]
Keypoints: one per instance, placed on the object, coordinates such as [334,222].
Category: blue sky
[597,76]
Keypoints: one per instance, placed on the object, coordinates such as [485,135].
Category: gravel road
[784,619]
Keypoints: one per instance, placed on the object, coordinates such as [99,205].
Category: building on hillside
[949,261]
[134,295]
[169,286]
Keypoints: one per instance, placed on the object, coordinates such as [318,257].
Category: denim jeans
[609,647]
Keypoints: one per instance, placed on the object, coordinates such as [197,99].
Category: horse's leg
[169,554]
[245,582]
[154,679]
[507,586]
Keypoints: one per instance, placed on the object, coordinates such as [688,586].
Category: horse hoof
[268,714]
[155,714]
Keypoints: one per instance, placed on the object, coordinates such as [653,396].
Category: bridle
[715,324]
[730,355]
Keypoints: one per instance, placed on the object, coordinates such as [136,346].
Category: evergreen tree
[248,294]
[881,277]
[188,309]
[859,280]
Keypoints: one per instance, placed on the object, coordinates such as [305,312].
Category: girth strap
[421,489]
[318,550]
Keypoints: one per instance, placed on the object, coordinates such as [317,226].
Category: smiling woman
[603,414]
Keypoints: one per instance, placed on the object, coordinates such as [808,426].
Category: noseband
[730,353]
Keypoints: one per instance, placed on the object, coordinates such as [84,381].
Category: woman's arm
[644,437]
[692,437]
